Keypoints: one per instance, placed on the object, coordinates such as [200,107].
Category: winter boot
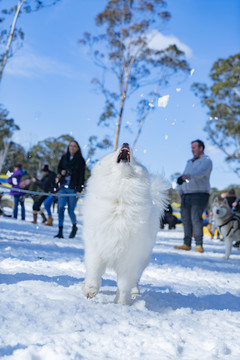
[34,218]
[73,232]
[44,219]
[60,233]
[199,248]
[182,247]
[49,221]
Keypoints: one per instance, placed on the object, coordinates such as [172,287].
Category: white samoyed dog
[121,213]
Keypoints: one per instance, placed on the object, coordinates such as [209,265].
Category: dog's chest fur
[118,206]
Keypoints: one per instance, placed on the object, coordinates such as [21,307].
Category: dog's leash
[23,191]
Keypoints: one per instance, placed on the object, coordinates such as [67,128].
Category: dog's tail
[159,192]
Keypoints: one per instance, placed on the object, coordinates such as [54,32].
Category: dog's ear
[225,201]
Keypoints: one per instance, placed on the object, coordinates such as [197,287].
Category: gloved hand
[180,180]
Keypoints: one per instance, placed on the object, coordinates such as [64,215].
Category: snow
[163,101]
[192,72]
[189,305]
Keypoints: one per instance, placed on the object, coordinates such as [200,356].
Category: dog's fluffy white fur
[121,212]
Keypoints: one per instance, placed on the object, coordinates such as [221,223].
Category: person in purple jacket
[18,196]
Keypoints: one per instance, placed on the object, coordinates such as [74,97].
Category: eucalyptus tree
[16,154]
[14,10]
[123,50]
[222,100]
[47,151]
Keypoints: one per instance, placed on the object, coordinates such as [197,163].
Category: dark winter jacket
[47,183]
[231,200]
[75,168]
[237,207]
[15,180]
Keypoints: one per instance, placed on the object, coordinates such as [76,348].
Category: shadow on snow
[158,301]
[197,261]
[62,280]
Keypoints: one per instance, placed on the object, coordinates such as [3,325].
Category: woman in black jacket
[72,170]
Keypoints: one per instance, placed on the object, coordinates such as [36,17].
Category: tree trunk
[3,154]
[10,37]
[119,124]
[123,98]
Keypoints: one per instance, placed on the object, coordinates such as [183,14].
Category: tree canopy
[124,51]
[48,151]
[16,154]
[222,99]
[7,126]
[14,34]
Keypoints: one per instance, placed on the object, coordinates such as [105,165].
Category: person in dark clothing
[72,171]
[236,205]
[49,201]
[169,219]
[231,197]
[236,211]
[47,184]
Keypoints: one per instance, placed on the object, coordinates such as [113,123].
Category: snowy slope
[188,309]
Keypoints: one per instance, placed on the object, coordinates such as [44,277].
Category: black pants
[37,204]
[192,206]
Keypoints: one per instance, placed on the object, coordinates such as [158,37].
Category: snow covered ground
[189,306]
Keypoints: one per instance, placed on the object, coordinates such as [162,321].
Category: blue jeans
[19,199]
[47,204]
[70,201]
[192,206]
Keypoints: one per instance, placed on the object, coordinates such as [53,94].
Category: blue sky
[47,84]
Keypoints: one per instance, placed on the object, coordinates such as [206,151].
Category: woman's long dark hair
[79,149]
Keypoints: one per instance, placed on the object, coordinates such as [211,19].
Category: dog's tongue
[124,154]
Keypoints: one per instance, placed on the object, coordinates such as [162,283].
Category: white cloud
[158,41]
[27,63]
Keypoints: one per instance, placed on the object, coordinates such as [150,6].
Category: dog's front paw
[226,257]
[135,292]
[90,291]
[123,299]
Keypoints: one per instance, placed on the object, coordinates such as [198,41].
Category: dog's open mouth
[124,154]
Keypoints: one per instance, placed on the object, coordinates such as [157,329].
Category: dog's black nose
[217,211]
